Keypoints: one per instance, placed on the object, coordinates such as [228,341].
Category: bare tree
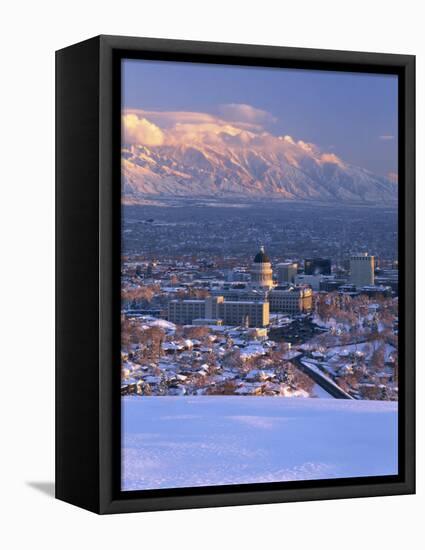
[377,360]
[197,333]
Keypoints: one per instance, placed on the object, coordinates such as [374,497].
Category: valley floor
[196,441]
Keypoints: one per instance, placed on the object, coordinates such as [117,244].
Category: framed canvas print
[235,274]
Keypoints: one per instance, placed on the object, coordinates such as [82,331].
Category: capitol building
[261,271]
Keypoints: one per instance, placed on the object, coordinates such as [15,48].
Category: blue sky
[350,114]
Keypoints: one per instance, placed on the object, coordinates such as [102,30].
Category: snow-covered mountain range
[219,161]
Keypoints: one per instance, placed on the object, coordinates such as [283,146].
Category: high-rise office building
[317,266]
[286,272]
[362,270]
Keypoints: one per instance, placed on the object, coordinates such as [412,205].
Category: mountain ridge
[248,166]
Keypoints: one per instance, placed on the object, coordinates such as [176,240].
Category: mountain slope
[249,166]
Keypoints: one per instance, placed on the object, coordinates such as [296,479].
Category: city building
[377,291]
[251,314]
[185,312]
[362,270]
[387,277]
[244,293]
[237,275]
[207,322]
[331,284]
[286,272]
[317,266]
[261,271]
[349,290]
[182,312]
[294,300]
[311,280]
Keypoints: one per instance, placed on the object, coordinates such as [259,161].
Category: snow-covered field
[194,441]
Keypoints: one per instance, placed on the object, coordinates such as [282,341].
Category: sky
[352,115]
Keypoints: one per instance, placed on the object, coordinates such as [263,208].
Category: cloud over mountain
[201,154]
[138,130]
[241,112]
[177,128]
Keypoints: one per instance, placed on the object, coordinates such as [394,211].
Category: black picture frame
[88,274]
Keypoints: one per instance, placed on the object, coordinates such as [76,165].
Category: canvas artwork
[259,275]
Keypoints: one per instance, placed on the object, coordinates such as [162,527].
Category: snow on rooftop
[363,347]
[161,323]
[252,351]
[198,441]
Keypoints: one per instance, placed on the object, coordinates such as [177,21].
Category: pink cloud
[156,128]
[331,158]
[139,130]
[242,112]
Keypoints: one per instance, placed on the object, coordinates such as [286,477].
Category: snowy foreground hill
[194,441]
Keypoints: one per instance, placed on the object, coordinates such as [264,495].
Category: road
[330,388]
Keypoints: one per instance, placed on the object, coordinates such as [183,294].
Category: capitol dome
[261,257]
[261,271]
